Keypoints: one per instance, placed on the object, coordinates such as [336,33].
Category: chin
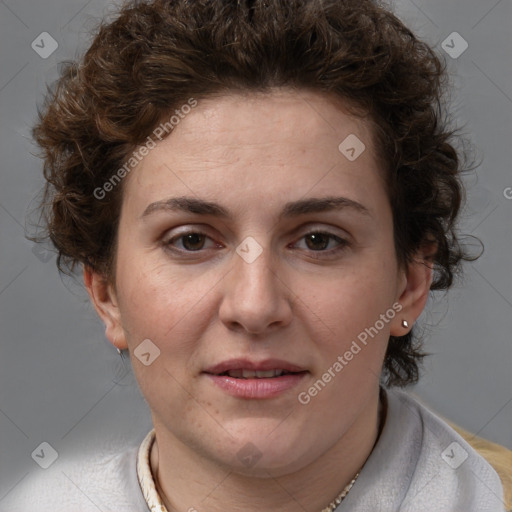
[271,464]
[267,448]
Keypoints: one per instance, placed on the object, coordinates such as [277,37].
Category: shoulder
[106,482]
[420,464]
[464,480]
[499,457]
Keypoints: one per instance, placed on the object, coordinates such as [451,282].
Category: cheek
[347,301]
[163,308]
[346,325]
[344,320]
[161,305]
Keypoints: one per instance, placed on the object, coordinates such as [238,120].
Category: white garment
[414,468]
[419,464]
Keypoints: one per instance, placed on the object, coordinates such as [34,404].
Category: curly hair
[154,56]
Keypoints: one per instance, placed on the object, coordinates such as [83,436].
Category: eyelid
[324,231]
[187,229]
[327,229]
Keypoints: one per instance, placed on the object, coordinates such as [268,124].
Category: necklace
[341,496]
[383,405]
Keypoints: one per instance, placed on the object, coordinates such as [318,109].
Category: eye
[190,241]
[319,241]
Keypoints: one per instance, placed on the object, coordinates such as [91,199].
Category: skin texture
[252,154]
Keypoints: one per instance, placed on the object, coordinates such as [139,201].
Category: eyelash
[342,243]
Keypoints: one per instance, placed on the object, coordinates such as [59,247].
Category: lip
[256,388]
[246,364]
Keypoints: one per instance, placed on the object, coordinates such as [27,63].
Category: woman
[261,196]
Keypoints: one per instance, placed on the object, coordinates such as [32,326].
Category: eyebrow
[291,209]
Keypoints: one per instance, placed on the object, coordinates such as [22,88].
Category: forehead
[264,142]
[280,117]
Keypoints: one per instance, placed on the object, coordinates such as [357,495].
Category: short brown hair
[157,55]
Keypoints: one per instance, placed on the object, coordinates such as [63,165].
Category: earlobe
[104,300]
[414,293]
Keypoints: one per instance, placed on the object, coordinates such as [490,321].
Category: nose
[255,298]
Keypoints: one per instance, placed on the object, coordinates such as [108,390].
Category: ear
[103,297]
[414,290]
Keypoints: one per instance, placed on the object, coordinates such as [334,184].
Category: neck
[187,481]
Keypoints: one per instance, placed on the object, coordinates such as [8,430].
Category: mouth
[248,369]
[255,380]
[255,374]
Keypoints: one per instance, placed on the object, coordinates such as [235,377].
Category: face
[249,241]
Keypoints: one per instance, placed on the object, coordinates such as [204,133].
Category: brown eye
[317,241]
[321,244]
[193,241]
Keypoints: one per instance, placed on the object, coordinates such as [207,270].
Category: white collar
[146,481]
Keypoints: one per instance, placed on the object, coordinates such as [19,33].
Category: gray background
[60,380]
